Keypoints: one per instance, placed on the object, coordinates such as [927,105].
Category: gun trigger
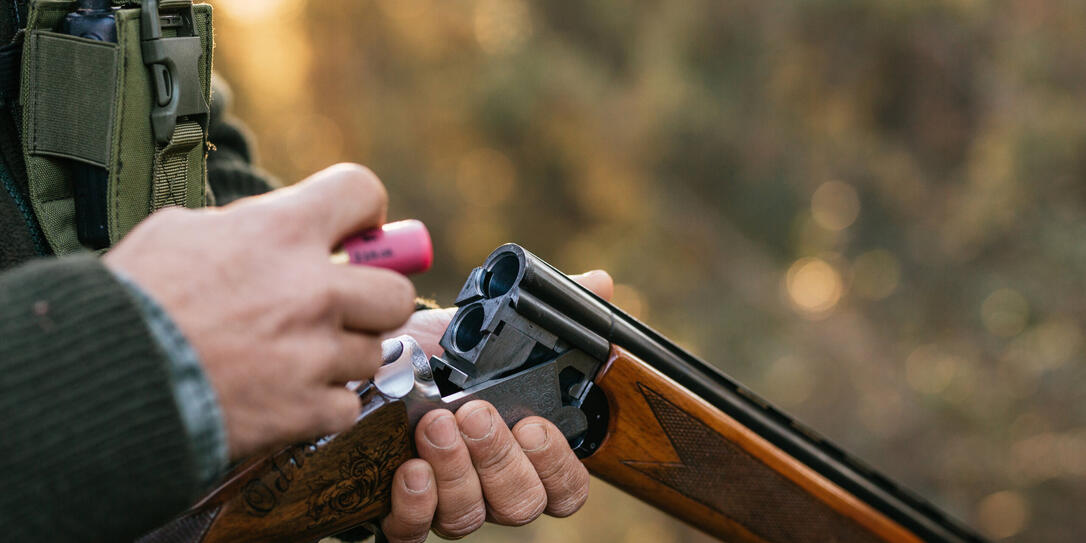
[391,349]
[396,377]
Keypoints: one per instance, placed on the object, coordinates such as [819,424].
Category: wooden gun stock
[684,456]
[307,491]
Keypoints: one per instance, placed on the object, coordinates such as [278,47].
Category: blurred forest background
[872,212]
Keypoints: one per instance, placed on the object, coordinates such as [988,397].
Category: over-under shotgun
[642,413]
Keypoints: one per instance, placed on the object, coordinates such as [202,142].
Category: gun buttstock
[673,450]
[304,492]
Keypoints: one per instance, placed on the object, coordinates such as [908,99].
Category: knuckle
[414,520]
[324,297]
[499,457]
[288,230]
[282,222]
[321,357]
[570,495]
[317,300]
[463,523]
[361,178]
[566,507]
[552,468]
[452,472]
[531,504]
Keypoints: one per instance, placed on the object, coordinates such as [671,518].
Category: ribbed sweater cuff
[95,446]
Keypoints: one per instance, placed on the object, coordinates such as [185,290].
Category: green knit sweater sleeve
[94,446]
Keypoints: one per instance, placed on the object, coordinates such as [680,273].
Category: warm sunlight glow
[814,286]
[257,11]
[835,205]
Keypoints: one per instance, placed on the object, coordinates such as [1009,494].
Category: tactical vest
[111,131]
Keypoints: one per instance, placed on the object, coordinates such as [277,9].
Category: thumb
[598,281]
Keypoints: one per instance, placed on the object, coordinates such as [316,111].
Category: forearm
[96,446]
[195,397]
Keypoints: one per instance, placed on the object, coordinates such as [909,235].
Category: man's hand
[472,468]
[278,327]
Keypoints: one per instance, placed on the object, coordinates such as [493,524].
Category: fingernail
[416,478]
[533,437]
[441,432]
[479,424]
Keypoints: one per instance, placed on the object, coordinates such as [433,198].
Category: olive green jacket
[94,445]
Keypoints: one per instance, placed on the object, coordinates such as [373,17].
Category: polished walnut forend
[680,454]
[307,491]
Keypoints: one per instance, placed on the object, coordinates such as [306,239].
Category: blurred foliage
[873,212]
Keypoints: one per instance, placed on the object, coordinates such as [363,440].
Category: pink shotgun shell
[403,246]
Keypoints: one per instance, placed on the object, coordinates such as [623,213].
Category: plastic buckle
[175,71]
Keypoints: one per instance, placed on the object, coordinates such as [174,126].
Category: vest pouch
[87,102]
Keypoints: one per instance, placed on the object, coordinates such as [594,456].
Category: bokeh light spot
[876,274]
[1005,312]
[258,11]
[1003,514]
[929,371]
[1058,341]
[814,286]
[789,381]
[835,205]
[1045,347]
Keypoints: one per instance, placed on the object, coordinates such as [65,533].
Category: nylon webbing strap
[171,166]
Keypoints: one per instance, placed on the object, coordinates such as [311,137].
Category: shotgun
[642,414]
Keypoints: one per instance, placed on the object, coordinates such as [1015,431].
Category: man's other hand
[279,329]
[472,468]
